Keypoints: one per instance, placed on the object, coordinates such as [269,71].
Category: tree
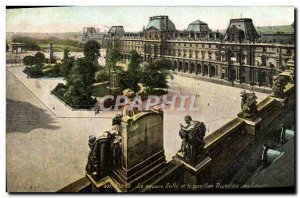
[91,55]
[77,93]
[67,66]
[78,87]
[66,54]
[112,57]
[85,68]
[156,74]
[68,63]
[134,69]
[29,60]
[7,47]
[39,59]
[91,51]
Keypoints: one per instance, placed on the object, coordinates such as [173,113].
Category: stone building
[238,56]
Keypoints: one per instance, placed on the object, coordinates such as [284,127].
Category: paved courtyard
[47,147]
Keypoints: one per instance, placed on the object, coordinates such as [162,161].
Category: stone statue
[100,156]
[127,108]
[278,87]
[248,105]
[105,151]
[142,90]
[117,140]
[192,136]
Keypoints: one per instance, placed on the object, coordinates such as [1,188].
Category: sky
[73,19]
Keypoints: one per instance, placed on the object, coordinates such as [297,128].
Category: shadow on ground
[24,117]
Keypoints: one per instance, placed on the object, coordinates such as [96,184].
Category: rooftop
[161,23]
[282,29]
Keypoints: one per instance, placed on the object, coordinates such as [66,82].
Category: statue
[248,105]
[105,151]
[100,155]
[278,87]
[127,108]
[143,90]
[192,136]
[117,140]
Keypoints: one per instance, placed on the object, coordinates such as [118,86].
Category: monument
[278,87]
[131,154]
[50,50]
[192,135]
[248,106]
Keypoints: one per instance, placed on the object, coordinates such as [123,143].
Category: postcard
[120,99]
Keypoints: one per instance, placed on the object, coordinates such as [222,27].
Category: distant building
[277,34]
[241,55]
[91,33]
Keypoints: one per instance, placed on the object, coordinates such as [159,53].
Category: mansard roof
[198,26]
[161,23]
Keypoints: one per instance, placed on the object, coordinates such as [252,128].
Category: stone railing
[268,110]
[222,137]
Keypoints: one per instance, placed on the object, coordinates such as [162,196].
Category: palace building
[241,54]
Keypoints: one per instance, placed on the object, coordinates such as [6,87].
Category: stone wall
[142,137]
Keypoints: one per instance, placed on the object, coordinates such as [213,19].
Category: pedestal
[251,127]
[143,156]
[192,174]
[282,101]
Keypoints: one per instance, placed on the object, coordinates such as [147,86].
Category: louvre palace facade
[241,54]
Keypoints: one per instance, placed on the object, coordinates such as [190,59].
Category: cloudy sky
[73,19]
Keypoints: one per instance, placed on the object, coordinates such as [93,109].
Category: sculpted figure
[100,155]
[278,86]
[142,90]
[105,151]
[192,136]
[128,109]
[117,140]
[248,105]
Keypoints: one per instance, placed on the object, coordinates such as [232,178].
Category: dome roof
[198,22]
[198,26]
[161,23]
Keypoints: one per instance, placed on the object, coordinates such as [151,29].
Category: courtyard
[47,142]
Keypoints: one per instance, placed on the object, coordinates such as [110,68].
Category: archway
[192,69]
[174,65]
[198,69]
[205,70]
[186,67]
[232,74]
[262,78]
[180,66]
[212,70]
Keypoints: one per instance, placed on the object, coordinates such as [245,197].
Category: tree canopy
[131,77]
[29,60]
[40,59]
[155,75]
[68,63]
[111,60]
[91,51]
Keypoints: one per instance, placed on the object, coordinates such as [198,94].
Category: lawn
[60,48]
[99,90]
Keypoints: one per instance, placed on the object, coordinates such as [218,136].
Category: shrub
[59,90]
[33,72]
[101,76]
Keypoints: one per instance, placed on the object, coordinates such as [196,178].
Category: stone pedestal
[282,101]
[192,174]
[251,127]
[143,155]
